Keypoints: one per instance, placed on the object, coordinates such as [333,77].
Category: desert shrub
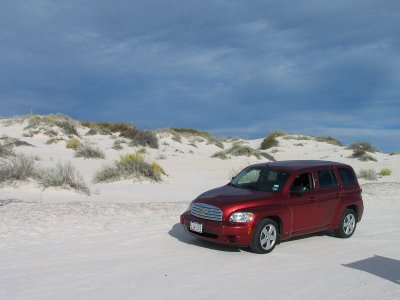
[394,153]
[11,142]
[192,144]
[298,137]
[19,167]
[271,141]
[117,145]
[141,137]
[88,150]
[368,174]
[132,165]
[220,155]
[329,140]
[107,127]
[142,151]
[73,144]
[362,155]
[6,150]
[63,175]
[53,140]
[178,133]
[65,123]
[240,150]
[385,172]
[367,147]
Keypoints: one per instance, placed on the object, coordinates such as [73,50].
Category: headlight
[242,217]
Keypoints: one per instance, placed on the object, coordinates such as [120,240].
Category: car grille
[206,211]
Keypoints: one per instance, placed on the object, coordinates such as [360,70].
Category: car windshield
[260,179]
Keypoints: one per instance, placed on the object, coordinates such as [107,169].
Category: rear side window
[326,178]
[348,177]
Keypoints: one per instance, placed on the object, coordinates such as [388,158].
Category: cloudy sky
[235,68]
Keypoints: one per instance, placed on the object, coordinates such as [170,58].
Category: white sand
[124,241]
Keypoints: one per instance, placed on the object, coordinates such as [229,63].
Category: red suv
[271,202]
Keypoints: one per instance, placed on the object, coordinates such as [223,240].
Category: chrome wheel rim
[349,223]
[268,237]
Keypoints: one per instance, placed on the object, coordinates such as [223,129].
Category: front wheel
[265,237]
[347,224]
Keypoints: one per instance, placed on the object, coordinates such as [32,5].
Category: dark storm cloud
[231,66]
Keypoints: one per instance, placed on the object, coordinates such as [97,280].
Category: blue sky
[235,68]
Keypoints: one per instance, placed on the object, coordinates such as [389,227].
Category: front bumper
[227,233]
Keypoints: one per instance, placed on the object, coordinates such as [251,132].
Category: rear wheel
[265,237]
[347,224]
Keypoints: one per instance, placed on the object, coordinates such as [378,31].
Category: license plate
[196,227]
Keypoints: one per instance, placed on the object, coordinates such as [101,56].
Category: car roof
[296,165]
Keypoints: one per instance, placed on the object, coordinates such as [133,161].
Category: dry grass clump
[361,149]
[106,128]
[385,172]
[73,144]
[271,141]
[191,133]
[46,124]
[88,150]
[63,175]
[368,174]
[130,166]
[141,137]
[6,150]
[240,150]
[329,140]
[117,145]
[19,167]
[367,147]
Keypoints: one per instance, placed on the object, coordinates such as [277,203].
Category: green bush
[368,174]
[88,150]
[271,141]
[63,175]
[385,172]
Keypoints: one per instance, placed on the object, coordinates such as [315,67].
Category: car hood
[228,195]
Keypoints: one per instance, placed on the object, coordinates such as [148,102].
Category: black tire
[347,224]
[262,243]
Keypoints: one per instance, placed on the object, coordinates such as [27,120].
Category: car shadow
[178,232]
[386,268]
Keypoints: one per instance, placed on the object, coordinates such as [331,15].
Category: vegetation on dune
[73,144]
[63,175]
[271,141]
[106,128]
[385,172]
[240,150]
[88,150]
[190,133]
[45,124]
[130,166]
[361,149]
[368,174]
[19,167]
[329,140]
[141,137]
